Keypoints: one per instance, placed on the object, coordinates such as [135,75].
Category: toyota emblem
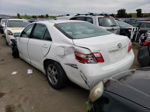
[119,45]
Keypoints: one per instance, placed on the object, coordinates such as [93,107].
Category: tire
[55,75]
[143,56]
[7,43]
[15,52]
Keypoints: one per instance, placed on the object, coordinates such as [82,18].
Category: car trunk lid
[112,47]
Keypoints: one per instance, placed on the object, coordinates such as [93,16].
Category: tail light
[94,57]
[129,46]
[147,42]
[9,32]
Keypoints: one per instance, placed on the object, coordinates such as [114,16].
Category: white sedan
[74,50]
[13,28]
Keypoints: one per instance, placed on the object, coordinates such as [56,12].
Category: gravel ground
[22,92]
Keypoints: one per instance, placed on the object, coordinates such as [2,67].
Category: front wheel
[15,52]
[55,75]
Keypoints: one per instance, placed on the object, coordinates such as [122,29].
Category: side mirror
[96,92]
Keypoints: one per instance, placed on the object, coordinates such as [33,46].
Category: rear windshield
[107,21]
[15,23]
[80,30]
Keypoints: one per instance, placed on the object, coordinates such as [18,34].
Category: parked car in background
[104,21]
[3,24]
[124,92]
[144,25]
[144,31]
[13,28]
[74,50]
[127,29]
[131,21]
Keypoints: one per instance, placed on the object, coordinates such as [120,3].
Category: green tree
[139,13]
[121,13]
[67,14]
[129,15]
[113,15]
[46,15]
[18,15]
[34,16]
[41,16]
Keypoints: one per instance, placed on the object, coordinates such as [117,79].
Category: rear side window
[107,21]
[47,36]
[27,31]
[39,31]
[78,18]
[89,19]
[74,18]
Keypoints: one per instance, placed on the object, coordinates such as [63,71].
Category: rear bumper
[95,73]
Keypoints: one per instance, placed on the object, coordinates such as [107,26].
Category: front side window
[17,23]
[80,30]
[27,31]
[107,21]
[39,31]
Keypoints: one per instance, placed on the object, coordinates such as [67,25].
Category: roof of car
[57,21]
[132,85]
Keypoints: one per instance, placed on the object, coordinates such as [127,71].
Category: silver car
[105,22]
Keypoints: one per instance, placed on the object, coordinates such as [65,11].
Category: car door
[22,42]
[39,45]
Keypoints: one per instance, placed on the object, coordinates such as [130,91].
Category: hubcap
[52,74]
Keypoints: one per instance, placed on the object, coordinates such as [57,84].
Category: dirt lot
[24,92]
[31,93]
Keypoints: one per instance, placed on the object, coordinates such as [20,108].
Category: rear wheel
[55,75]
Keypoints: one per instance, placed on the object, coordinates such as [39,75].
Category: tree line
[121,13]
